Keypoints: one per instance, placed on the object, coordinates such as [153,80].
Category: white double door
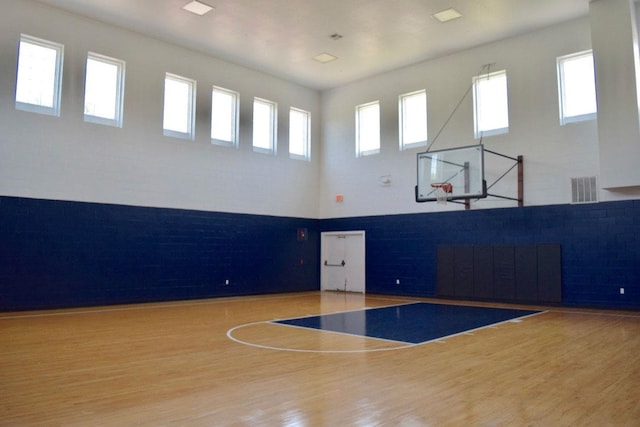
[343,261]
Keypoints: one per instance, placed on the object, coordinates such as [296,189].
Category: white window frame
[367,130]
[562,89]
[406,116]
[478,105]
[232,117]
[272,124]
[34,107]
[119,91]
[301,139]
[191,108]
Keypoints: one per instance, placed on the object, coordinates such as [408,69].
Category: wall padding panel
[511,273]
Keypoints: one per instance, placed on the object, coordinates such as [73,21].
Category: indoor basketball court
[319,213]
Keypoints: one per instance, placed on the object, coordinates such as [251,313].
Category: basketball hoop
[442,191]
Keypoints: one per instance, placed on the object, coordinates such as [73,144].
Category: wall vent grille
[584,189]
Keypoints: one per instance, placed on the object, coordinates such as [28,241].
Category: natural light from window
[264,125]
[413,119]
[368,129]
[299,137]
[104,89]
[224,116]
[577,87]
[39,78]
[490,102]
[179,106]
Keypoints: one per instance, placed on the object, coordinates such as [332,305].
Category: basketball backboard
[460,171]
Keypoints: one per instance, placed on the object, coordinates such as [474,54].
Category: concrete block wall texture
[67,254]
[62,254]
[98,215]
[599,247]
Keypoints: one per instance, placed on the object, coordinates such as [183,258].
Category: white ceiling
[281,37]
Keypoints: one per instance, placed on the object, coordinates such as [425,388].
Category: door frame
[361,254]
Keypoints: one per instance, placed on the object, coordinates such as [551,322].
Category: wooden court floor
[221,363]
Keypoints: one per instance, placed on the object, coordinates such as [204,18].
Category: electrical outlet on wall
[621,291]
[226,282]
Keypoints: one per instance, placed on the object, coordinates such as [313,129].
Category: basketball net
[442,191]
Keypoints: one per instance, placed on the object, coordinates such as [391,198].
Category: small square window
[179,106]
[265,115]
[490,104]
[576,87]
[39,79]
[224,116]
[299,136]
[104,90]
[412,109]
[368,129]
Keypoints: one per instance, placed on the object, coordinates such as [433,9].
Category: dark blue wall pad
[67,254]
[56,254]
[414,323]
[600,247]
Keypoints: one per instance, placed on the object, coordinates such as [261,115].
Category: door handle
[334,265]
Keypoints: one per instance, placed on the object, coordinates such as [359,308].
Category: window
[264,125]
[104,90]
[299,122]
[413,119]
[367,129]
[490,104]
[39,80]
[224,116]
[179,106]
[576,87]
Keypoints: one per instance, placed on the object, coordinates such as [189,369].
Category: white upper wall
[553,154]
[68,159]
[615,46]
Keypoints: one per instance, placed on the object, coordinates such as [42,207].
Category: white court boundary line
[440,340]
[274,322]
[302,350]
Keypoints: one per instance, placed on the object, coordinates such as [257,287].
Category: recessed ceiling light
[447,15]
[325,57]
[197,7]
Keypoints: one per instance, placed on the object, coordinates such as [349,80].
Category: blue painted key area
[413,323]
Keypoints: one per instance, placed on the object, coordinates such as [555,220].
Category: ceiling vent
[584,189]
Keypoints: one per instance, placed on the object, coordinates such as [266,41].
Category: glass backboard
[460,171]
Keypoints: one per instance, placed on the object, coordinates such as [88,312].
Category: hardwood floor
[219,363]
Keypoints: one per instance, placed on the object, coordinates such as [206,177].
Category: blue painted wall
[600,247]
[65,254]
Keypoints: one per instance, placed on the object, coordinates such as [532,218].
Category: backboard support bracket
[519,164]
[461,171]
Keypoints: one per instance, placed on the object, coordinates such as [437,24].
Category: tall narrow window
[39,81]
[179,106]
[299,121]
[265,115]
[412,109]
[224,116]
[576,87]
[490,102]
[368,129]
[104,90]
